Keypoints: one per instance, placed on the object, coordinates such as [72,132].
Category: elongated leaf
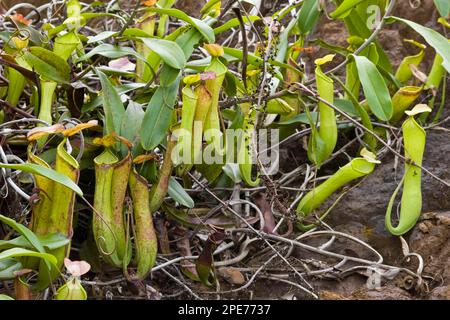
[308,15]
[47,64]
[357,26]
[8,268]
[254,59]
[131,126]
[177,192]
[24,231]
[91,15]
[375,89]
[157,117]
[169,51]
[50,241]
[110,51]
[433,38]
[206,31]
[52,59]
[101,36]
[5,297]
[232,23]
[345,9]
[19,252]
[122,89]
[112,105]
[443,7]
[46,172]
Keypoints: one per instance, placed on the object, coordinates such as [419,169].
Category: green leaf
[110,51]
[112,105]
[46,172]
[169,51]
[5,297]
[232,23]
[24,231]
[131,126]
[206,31]
[122,89]
[300,118]
[345,9]
[47,64]
[101,36]
[346,106]
[177,192]
[433,38]
[255,60]
[135,33]
[356,24]
[375,89]
[233,172]
[91,15]
[49,241]
[19,252]
[308,15]
[157,117]
[443,7]
[8,268]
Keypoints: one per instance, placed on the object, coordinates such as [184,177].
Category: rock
[431,239]
[440,293]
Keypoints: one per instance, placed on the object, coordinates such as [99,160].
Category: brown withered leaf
[39,132]
[81,126]
[231,275]
[184,248]
[145,157]
[19,18]
[148,3]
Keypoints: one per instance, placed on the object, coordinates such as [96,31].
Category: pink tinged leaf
[208,75]
[269,219]
[77,268]
[122,64]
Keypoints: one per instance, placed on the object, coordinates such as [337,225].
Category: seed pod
[414,138]
[145,236]
[357,168]
[111,179]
